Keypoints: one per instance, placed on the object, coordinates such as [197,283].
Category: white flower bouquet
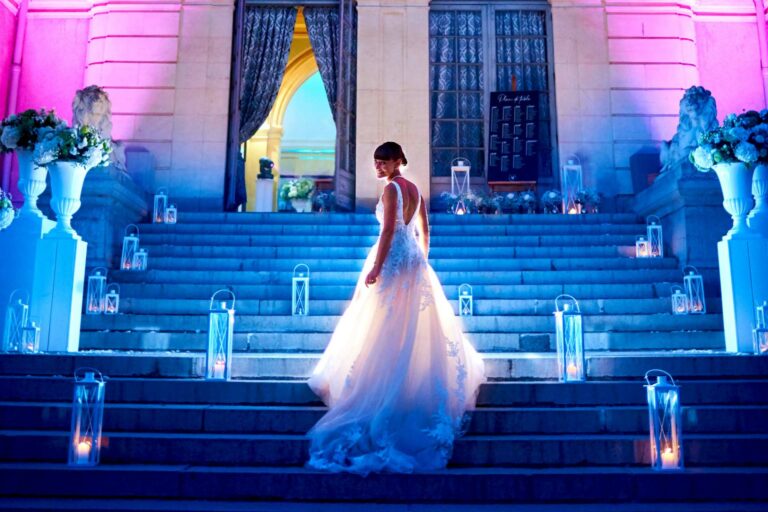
[589,200]
[79,144]
[301,188]
[7,213]
[21,131]
[742,138]
[551,201]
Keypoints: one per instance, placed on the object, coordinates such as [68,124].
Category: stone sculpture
[91,106]
[698,114]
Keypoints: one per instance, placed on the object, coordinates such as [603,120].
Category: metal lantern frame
[140,260]
[160,205]
[466,300]
[665,422]
[300,290]
[460,208]
[112,299]
[693,283]
[87,417]
[130,247]
[97,289]
[642,247]
[30,338]
[16,318]
[679,300]
[655,236]
[460,175]
[171,214]
[221,326]
[571,182]
[569,337]
[760,332]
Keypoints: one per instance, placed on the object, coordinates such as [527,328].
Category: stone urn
[67,179]
[736,183]
[758,217]
[302,205]
[31,183]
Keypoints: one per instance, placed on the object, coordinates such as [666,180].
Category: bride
[397,376]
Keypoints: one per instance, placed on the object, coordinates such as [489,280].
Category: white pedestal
[57,296]
[20,244]
[744,284]
[264,195]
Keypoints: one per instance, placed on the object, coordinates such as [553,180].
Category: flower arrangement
[588,199]
[551,201]
[301,188]
[526,201]
[324,201]
[742,138]
[21,131]
[7,213]
[79,144]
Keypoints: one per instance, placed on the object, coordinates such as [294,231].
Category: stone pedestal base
[744,284]
[57,294]
[20,243]
[264,195]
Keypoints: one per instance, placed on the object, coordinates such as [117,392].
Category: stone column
[392,90]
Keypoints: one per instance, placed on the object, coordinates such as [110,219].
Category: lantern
[641,247]
[760,332]
[300,290]
[171,214]
[665,422]
[466,306]
[221,324]
[655,237]
[140,260]
[571,183]
[160,206]
[694,291]
[87,418]
[460,208]
[570,340]
[16,314]
[460,168]
[130,246]
[112,299]
[679,301]
[97,285]
[30,338]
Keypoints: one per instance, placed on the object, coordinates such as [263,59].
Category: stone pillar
[392,90]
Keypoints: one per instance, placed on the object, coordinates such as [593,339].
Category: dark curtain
[323,30]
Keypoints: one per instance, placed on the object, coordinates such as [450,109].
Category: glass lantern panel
[219,356]
[300,303]
[466,305]
[694,290]
[130,246]
[112,303]
[679,303]
[570,346]
[96,290]
[158,212]
[87,418]
[760,338]
[655,241]
[30,342]
[665,427]
[170,215]
[15,320]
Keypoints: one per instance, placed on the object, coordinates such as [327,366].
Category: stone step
[600,365]
[311,344]
[441,265]
[543,323]
[248,419]
[320,241]
[720,450]
[165,390]
[608,485]
[336,307]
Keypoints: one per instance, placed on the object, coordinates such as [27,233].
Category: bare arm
[389,200]
[424,228]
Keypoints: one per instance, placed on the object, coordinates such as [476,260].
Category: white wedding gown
[398,375]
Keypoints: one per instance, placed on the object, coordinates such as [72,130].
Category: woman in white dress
[398,376]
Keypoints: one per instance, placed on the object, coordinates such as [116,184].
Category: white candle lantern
[760,332]
[466,302]
[87,418]
[221,325]
[460,168]
[693,283]
[130,246]
[569,338]
[655,237]
[664,417]
[641,247]
[30,338]
[160,206]
[112,299]
[16,315]
[300,290]
[171,214]
[679,301]
[140,260]
[97,286]
[571,184]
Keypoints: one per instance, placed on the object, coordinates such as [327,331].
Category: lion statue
[92,107]
[698,114]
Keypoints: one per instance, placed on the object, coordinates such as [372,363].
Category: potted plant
[20,133]
[551,201]
[588,200]
[299,193]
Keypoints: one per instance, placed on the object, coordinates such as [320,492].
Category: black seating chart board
[513,145]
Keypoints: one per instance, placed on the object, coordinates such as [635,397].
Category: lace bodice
[405,252]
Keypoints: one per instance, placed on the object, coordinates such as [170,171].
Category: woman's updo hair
[390,151]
